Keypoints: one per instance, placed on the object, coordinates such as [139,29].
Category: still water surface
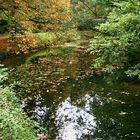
[72,102]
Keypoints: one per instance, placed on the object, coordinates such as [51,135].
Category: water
[73,102]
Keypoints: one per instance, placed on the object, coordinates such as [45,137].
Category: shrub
[14,124]
[118,42]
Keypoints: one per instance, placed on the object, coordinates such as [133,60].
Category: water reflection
[40,111]
[69,96]
[71,121]
[74,122]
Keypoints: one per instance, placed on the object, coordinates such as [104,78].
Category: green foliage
[118,43]
[96,8]
[89,23]
[46,38]
[3,26]
[14,124]
[3,74]
[69,35]
[134,71]
[50,38]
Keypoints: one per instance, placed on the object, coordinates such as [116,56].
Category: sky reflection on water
[74,122]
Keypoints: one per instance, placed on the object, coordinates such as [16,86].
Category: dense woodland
[112,29]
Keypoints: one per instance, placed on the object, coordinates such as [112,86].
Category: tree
[118,44]
[27,16]
[42,14]
[50,15]
[88,13]
[18,13]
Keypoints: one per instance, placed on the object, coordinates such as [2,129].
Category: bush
[118,43]
[14,124]
[31,41]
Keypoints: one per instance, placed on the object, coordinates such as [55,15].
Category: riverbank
[33,42]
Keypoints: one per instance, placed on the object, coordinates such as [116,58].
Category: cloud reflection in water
[74,122]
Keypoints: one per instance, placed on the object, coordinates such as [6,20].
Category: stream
[70,100]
